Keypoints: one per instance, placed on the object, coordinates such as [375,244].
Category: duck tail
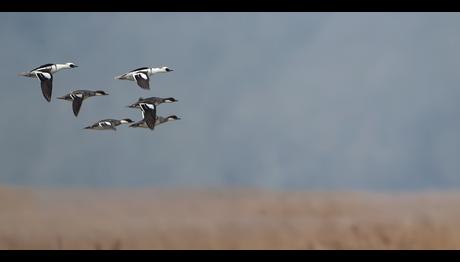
[24,74]
[120,77]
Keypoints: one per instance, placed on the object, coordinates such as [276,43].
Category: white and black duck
[45,74]
[108,124]
[142,75]
[78,96]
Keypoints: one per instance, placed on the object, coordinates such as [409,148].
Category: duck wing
[149,114]
[76,104]
[142,80]
[46,83]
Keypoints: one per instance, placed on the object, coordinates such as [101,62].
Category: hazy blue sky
[282,100]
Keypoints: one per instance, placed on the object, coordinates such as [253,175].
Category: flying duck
[153,100]
[78,96]
[45,74]
[142,75]
[160,120]
[108,124]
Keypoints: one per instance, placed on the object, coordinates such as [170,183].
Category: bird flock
[147,106]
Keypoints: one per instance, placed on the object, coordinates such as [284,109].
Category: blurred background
[269,101]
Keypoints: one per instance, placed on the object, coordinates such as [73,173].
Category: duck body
[153,100]
[159,120]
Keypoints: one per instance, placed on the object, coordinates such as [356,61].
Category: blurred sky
[278,100]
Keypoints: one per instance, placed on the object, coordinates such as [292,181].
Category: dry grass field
[33,218]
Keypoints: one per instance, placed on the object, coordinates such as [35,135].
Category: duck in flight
[153,100]
[142,75]
[45,74]
[108,124]
[78,96]
[159,120]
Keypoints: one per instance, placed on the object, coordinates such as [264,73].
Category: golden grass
[225,219]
